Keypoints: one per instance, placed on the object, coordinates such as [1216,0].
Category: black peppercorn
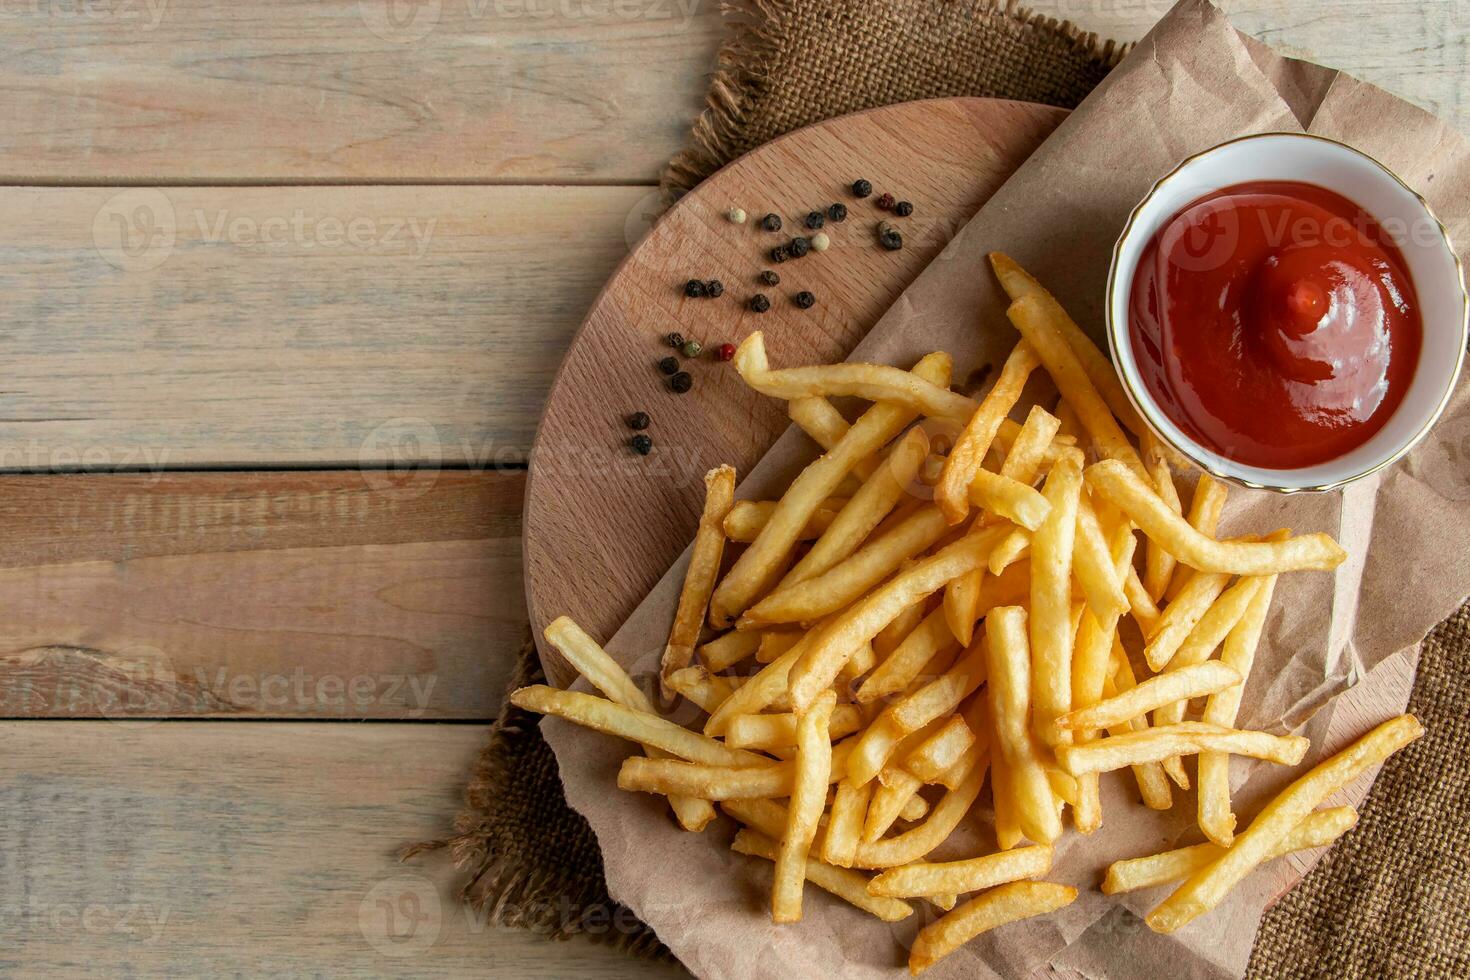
[770,278]
[798,247]
[771,222]
[815,220]
[837,212]
[639,421]
[681,382]
[694,288]
[903,209]
[779,254]
[760,303]
[884,202]
[805,300]
[674,340]
[890,239]
[714,289]
[642,445]
[669,365]
[861,188]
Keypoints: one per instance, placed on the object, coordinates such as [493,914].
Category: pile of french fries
[911,618]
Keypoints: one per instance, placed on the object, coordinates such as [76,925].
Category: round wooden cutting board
[603,524]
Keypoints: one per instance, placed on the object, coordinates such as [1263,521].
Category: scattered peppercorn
[693,349]
[669,365]
[642,445]
[694,289]
[675,340]
[771,222]
[820,242]
[736,215]
[681,382]
[759,303]
[889,237]
[770,278]
[714,289]
[884,202]
[903,209]
[805,300]
[799,246]
[779,254]
[639,421]
[815,220]
[862,188]
[837,212]
[725,352]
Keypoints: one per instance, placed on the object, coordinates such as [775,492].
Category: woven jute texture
[1392,899]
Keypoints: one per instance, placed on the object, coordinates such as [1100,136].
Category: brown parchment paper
[1192,83]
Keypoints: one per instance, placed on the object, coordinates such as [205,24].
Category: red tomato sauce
[1275,323]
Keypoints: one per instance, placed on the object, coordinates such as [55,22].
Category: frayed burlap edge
[744,63]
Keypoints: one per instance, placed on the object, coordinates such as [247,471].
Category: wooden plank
[199,326]
[166,91]
[222,849]
[335,595]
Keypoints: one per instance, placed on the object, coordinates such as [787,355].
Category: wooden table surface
[284,287]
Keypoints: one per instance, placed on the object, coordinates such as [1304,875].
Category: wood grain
[313,595]
[165,328]
[227,849]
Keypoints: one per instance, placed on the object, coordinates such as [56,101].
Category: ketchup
[1275,323]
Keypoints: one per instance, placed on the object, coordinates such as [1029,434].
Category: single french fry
[1130,493]
[823,659]
[778,731]
[849,580]
[1205,509]
[921,648]
[1038,324]
[964,608]
[1239,653]
[1007,818]
[757,568]
[670,777]
[727,650]
[1008,659]
[1003,496]
[915,808]
[1158,563]
[1093,564]
[850,886]
[973,875]
[635,725]
[808,800]
[1100,371]
[820,420]
[704,567]
[943,818]
[776,642]
[1176,685]
[937,754]
[891,637]
[1207,887]
[966,459]
[1153,785]
[1316,830]
[1090,666]
[704,689]
[765,816]
[1051,633]
[942,695]
[845,823]
[747,518]
[893,791]
[1180,617]
[1141,605]
[996,907]
[1185,738]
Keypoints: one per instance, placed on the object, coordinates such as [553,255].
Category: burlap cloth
[1391,900]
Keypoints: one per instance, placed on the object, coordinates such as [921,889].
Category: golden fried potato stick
[1051,633]
[918,651]
[670,776]
[967,458]
[1181,616]
[893,790]
[874,382]
[1153,785]
[1100,371]
[776,642]
[1013,500]
[1142,505]
[724,652]
[844,829]
[915,808]
[937,754]
[891,637]
[1239,653]
[1194,681]
[1141,605]
[808,800]
[748,517]
[1185,738]
[778,731]
[943,818]
[704,689]
[1007,818]
[849,580]
[605,674]
[964,608]
[1158,564]
[825,425]
[1204,516]
[1317,830]
[1091,662]
[972,875]
[761,690]
[1207,887]
[1008,659]
[1094,567]
[757,569]
[704,567]
[1037,323]
[996,907]
[821,661]
[850,886]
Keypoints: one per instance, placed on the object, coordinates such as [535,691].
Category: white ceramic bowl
[1421,237]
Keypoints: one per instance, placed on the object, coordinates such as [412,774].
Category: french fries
[875,711]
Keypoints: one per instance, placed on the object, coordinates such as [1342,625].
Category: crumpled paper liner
[1192,83]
